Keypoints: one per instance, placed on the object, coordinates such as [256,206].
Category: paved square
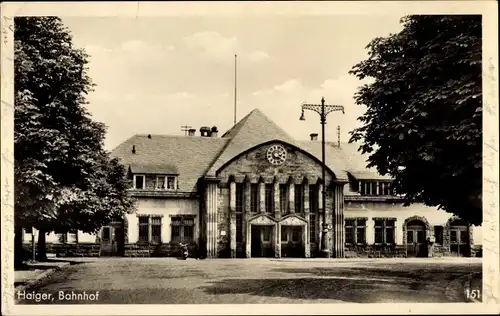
[172,281]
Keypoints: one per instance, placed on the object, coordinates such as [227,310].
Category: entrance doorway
[262,241]
[292,244]
[113,239]
[416,242]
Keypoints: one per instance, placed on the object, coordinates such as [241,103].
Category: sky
[155,74]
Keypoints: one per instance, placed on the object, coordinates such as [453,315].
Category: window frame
[254,198]
[384,228]
[182,226]
[165,182]
[149,226]
[299,198]
[284,198]
[143,181]
[269,197]
[356,225]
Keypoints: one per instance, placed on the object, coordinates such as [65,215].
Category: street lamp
[323,110]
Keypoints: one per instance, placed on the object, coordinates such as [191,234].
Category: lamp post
[323,110]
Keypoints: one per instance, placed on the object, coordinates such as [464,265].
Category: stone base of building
[173,250]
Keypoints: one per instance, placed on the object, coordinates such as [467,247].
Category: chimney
[191,131]
[213,131]
[314,136]
[205,131]
[133,149]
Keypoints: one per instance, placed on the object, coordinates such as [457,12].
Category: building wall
[166,208]
[253,167]
[434,217]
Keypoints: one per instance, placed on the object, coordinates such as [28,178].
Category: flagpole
[235,87]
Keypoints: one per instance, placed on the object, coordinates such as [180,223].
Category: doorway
[262,241]
[113,239]
[292,244]
[416,241]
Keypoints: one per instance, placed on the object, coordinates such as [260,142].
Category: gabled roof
[187,156]
[254,129]
[192,157]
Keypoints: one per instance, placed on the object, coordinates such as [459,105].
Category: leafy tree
[64,179]
[424,111]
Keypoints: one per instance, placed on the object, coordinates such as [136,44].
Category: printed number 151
[474,294]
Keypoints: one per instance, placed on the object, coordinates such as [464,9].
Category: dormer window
[375,188]
[139,182]
[166,182]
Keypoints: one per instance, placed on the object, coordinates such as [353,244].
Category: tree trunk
[18,245]
[42,253]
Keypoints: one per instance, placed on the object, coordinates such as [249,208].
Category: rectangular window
[384,231]
[239,212]
[299,198]
[362,188]
[143,228]
[139,182]
[438,234]
[182,228]
[284,198]
[254,198]
[150,229]
[155,229]
[464,237]
[160,183]
[355,230]
[389,232]
[312,227]
[453,236]
[361,231]
[349,231]
[269,198]
[313,199]
[171,183]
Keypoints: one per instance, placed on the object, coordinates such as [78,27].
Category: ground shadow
[337,289]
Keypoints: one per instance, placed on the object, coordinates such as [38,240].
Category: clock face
[276,155]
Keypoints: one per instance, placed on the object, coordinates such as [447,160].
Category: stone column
[276,187]
[211,218]
[307,229]
[246,217]
[262,197]
[338,223]
[277,244]
[319,233]
[291,197]
[232,218]
[378,187]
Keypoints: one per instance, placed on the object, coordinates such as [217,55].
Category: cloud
[257,56]
[213,45]
[289,86]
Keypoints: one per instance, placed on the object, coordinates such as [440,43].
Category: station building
[256,192]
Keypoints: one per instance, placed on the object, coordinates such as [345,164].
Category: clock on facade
[276,154]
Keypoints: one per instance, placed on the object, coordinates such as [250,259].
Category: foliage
[424,111]
[64,179]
